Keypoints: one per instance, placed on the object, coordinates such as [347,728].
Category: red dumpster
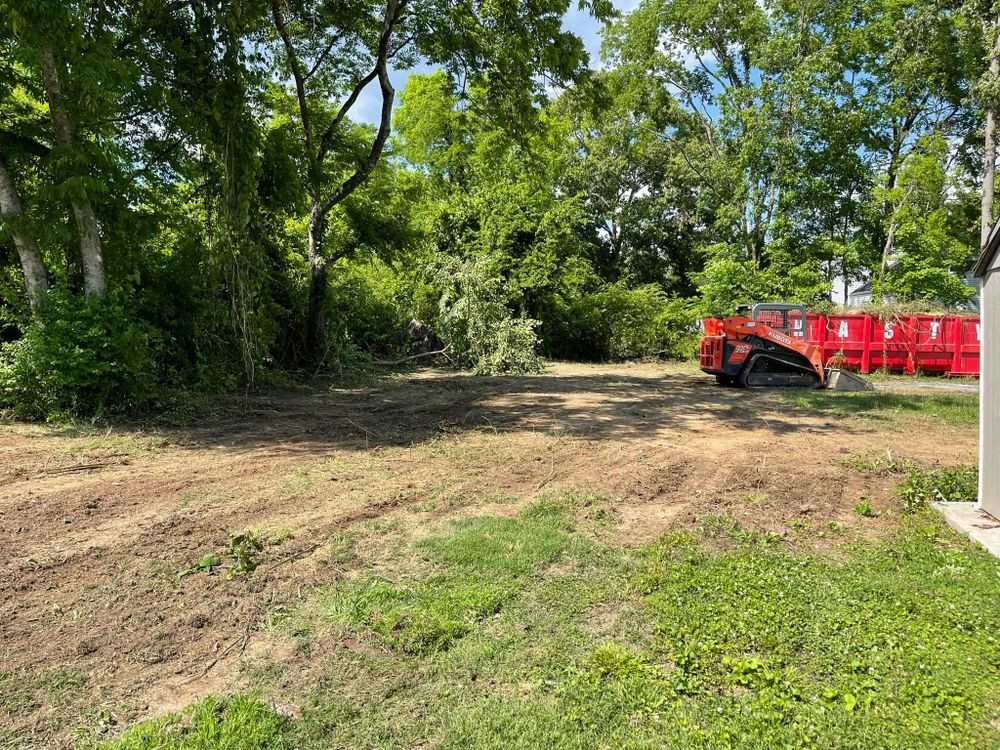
[945,344]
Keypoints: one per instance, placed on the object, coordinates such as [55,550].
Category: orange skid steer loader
[769,348]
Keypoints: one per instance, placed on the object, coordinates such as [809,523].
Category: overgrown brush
[476,321]
[615,322]
[82,357]
[956,485]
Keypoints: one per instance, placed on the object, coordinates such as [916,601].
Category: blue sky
[579,22]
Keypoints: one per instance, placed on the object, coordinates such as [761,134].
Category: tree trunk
[878,284]
[36,278]
[318,277]
[990,155]
[91,253]
[757,253]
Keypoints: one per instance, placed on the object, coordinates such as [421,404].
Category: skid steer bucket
[842,380]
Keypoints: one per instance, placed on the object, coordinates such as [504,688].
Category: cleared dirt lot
[95,528]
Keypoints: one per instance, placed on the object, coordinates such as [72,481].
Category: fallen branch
[72,469]
[391,362]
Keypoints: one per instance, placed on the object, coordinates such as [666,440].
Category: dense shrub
[476,321]
[83,356]
[617,323]
[369,306]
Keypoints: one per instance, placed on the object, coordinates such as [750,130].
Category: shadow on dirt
[411,409]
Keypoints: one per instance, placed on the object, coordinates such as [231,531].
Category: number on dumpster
[843,329]
[890,331]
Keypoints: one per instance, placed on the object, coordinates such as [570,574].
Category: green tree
[807,112]
[935,220]
[632,166]
[334,51]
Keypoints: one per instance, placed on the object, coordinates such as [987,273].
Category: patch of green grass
[959,409]
[190,497]
[343,549]
[128,445]
[62,686]
[473,571]
[419,618]
[878,652]
[724,532]
[526,632]
[243,723]
[441,500]
[500,547]
[296,482]
[16,695]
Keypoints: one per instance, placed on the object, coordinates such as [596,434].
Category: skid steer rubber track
[776,369]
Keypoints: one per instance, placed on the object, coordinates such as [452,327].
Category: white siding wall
[989,395]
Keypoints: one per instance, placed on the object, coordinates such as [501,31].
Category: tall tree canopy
[198,192]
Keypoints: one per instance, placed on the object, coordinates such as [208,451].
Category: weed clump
[956,485]
[243,550]
[864,508]
[878,464]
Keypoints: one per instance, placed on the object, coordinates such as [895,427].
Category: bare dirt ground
[95,623]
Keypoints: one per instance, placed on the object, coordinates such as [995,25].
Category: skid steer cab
[768,346]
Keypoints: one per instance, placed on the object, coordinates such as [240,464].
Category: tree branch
[352,183]
[344,252]
[391,362]
[23,143]
[324,140]
[296,68]
[323,55]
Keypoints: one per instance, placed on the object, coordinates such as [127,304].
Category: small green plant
[800,526]
[756,497]
[207,564]
[864,508]
[284,535]
[244,549]
[956,485]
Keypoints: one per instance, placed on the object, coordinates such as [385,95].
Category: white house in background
[862,295]
[987,270]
